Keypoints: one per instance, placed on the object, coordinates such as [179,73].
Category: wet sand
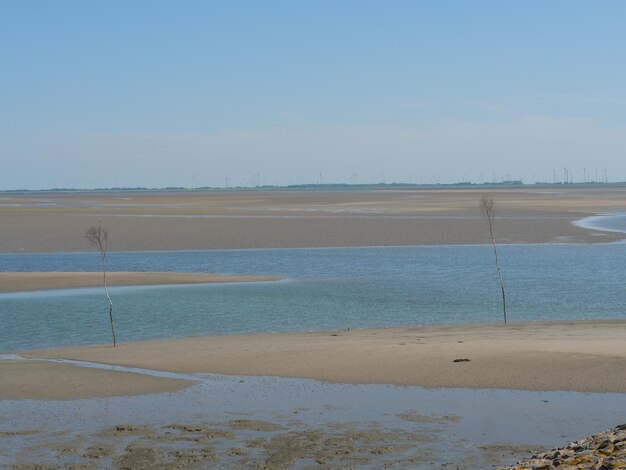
[573,356]
[268,422]
[46,222]
[49,381]
[31,281]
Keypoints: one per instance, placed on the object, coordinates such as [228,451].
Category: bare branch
[98,237]
[488,209]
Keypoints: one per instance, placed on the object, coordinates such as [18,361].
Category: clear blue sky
[155,93]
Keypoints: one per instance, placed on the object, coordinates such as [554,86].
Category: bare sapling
[487,207]
[99,238]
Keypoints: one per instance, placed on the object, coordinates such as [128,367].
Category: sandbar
[199,220]
[32,281]
[34,380]
[584,356]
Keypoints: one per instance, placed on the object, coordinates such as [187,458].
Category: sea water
[611,222]
[322,288]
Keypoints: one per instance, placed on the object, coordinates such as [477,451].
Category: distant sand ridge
[40,222]
[578,356]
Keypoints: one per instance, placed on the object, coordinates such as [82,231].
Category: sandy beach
[50,381]
[575,356]
[31,281]
[46,222]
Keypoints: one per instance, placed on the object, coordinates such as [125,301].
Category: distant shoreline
[515,184]
[240,219]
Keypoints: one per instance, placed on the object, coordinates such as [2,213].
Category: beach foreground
[585,356]
[248,418]
[278,423]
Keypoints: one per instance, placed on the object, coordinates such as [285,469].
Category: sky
[223,93]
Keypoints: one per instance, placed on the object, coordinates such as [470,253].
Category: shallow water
[418,427]
[611,222]
[324,288]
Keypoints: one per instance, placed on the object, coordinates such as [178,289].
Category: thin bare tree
[488,209]
[98,237]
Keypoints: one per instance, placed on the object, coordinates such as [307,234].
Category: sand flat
[33,380]
[586,356]
[31,281]
[186,220]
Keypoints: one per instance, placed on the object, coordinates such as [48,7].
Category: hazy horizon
[157,94]
[330,186]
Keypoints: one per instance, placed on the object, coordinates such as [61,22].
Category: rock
[606,450]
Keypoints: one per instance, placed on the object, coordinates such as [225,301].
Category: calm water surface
[613,222]
[321,289]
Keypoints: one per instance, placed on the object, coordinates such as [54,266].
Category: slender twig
[487,207]
[99,237]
